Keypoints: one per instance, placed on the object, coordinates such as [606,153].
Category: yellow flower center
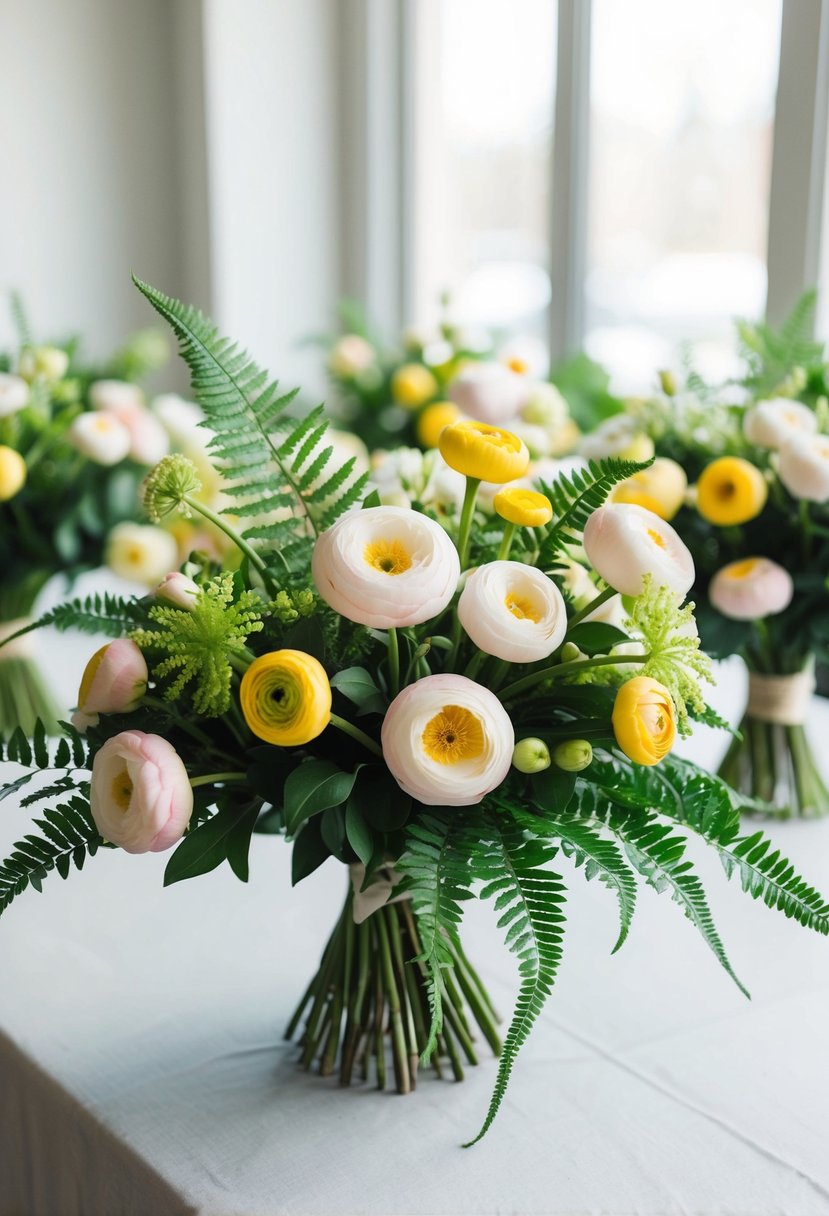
[741,569]
[102,423]
[522,607]
[656,538]
[453,735]
[122,790]
[388,556]
[516,364]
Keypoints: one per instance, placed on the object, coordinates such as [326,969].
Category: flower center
[657,538]
[522,607]
[741,569]
[453,735]
[122,790]
[725,490]
[388,556]
[516,364]
[134,555]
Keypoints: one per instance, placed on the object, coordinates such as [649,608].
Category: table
[142,1068]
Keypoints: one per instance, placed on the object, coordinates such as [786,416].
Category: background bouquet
[742,470]
[424,703]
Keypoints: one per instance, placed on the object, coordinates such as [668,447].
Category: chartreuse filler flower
[384,690]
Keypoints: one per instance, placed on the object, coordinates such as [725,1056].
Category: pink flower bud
[177,589]
[114,682]
[750,589]
[141,798]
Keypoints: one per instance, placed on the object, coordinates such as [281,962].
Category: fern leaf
[765,874]
[69,834]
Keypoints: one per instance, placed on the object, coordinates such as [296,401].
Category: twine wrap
[21,648]
[376,895]
[783,700]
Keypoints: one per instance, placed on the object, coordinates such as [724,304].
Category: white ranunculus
[386,567]
[447,741]
[804,467]
[772,423]
[624,543]
[99,436]
[489,392]
[141,552]
[115,395]
[350,356]
[183,421]
[750,589]
[513,611]
[526,354]
[14,394]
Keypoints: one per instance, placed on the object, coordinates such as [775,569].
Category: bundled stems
[369,998]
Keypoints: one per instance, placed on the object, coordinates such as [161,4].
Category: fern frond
[765,874]
[20,319]
[576,497]
[110,615]
[530,900]
[69,835]
[272,462]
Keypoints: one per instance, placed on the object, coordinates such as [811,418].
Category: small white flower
[183,421]
[350,356]
[804,467]
[48,363]
[99,436]
[386,567]
[513,611]
[489,392]
[750,589]
[624,543]
[447,741]
[115,395]
[772,423]
[141,552]
[525,354]
[14,394]
[545,407]
[620,436]
[536,437]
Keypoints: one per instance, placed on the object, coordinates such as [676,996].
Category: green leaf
[596,637]
[238,845]
[207,846]
[313,787]
[332,828]
[552,789]
[381,799]
[360,687]
[359,834]
[309,851]
[267,772]
[69,833]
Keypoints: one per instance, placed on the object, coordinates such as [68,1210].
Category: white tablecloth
[142,1068]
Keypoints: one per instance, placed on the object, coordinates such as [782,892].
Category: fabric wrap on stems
[21,648]
[377,894]
[783,700]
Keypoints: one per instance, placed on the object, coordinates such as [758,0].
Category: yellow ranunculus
[660,488]
[412,385]
[12,473]
[487,453]
[731,491]
[644,720]
[432,421]
[286,698]
[526,508]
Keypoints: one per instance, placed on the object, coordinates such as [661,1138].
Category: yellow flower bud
[526,508]
[487,453]
[286,698]
[12,473]
[573,755]
[531,756]
[412,385]
[731,491]
[667,382]
[660,489]
[644,720]
[432,421]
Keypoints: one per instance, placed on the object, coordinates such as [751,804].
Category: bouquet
[756,517]
[409,393]
[75,441]
[340,690]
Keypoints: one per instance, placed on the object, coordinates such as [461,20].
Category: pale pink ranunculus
[386,567]
[804,467]
[149,441]
[624,543]
[447,741]
[114,682]
[115,395]
[750,589]
[489,392]
[141,798]
[178,589]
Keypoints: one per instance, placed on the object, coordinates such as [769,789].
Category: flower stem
[394,662]
[231,533]
[467,512]
[356,733]
[215,778]
[506,542]
[535,677]
[600,599]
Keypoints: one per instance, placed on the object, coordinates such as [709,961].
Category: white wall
[90,182]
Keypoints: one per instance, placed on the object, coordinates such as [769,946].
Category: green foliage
[276,467]
[765,874]
[772,355]
[224,836]
[68,836]
[314,787]
[201,642]
[111,615]
[576,497]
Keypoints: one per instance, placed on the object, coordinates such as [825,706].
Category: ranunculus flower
[48,363]
[412,385]
[730,491]
[489,392]
[804,467]
[114,681]
[140,798]
[286,698]
[12,473]
[644,720]
[432,421]
[447,741]
[660,488]
[178,589]
[149,441]
[115,395]
[620,436]
[386,567]
[752,588]
[624,543]
[350,356]
[522,507]
[487,453]
[513,611]
[141,552]
[772,423]
[99,436]
[14,394]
